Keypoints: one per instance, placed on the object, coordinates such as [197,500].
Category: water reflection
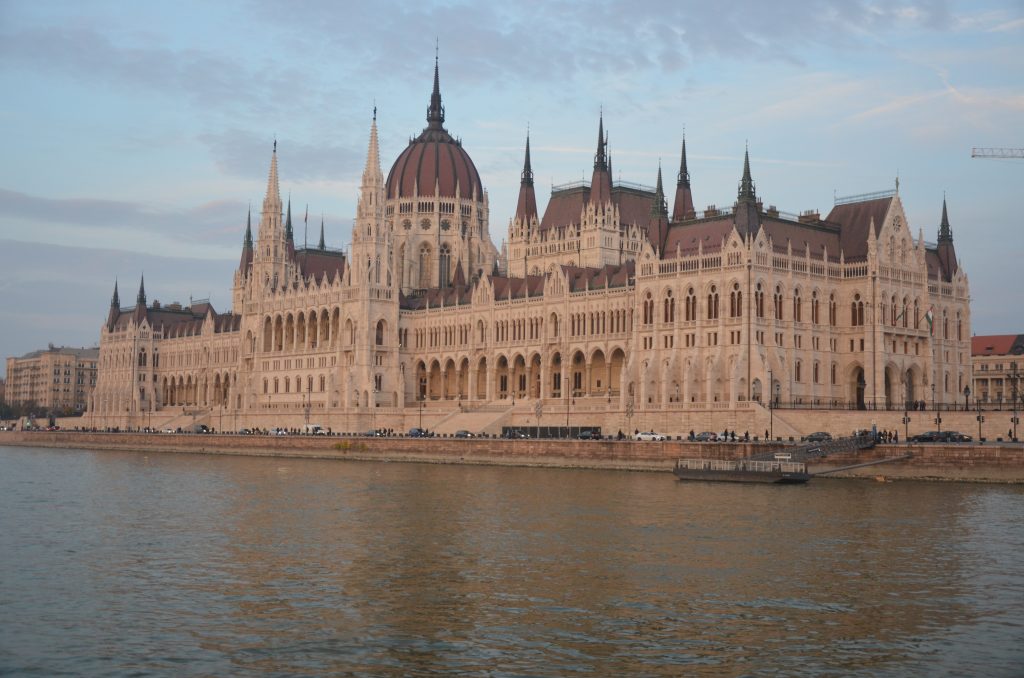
[182,564]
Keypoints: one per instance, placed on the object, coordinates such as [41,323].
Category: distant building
[609,304]
[3,391]
[998,361]
[55,378]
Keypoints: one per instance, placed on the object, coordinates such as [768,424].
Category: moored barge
[742,471]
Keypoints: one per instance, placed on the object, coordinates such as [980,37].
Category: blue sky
[136,134]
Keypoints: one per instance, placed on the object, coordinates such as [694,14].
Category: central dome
[434,159]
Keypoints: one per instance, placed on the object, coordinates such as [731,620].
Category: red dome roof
[434,157]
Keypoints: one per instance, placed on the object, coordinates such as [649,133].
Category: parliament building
[608,309]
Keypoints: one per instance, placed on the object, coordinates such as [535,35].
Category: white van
[783,456]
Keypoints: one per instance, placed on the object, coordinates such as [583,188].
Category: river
[115,563]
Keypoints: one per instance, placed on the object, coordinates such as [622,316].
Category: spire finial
[527,175]
[601,157]
[945,231]
[321,245]
[683,178]
[658,207]
[247,242]
[435,114]
[141,298]
[115,301]
[746,192]
[288,222]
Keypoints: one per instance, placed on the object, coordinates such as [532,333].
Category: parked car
[463,433]
[706,437]
[278,432]
[417,433]
[588,434]
[818,437]
[649,435]
[927,437]
[168,430]
[956,437]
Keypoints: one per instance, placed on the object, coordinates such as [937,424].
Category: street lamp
[967,394]
[421,411]
[981,417]
[906,425]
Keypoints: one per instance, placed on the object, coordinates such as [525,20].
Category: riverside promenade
[989,462]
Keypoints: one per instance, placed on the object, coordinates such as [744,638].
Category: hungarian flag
[930,318]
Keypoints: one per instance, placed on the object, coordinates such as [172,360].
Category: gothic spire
[321,245]
[658,207]
[435,114]
[527,175]
[601,157]
[141,298]
[288,235]
[683,206]
[746,193]
[945,232]
[115,301]
[372,169]
[683,179]
[273,195]
[526,207]
[247,242]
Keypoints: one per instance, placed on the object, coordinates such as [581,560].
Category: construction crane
[997,153]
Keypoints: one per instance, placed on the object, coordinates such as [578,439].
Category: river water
[117,563]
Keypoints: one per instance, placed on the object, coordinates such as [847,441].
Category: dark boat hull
[740,476]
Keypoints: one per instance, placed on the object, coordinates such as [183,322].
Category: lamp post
[906,427]
[421,411]
[981,417]
[307,402]
[1014,395]
[967,394]
[771,410]
[938,415]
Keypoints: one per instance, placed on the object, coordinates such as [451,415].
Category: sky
[138,134]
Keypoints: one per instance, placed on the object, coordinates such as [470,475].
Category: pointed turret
[321,245]
[288,234]
[747,211]
[140,299]
[115,309]
[526,208]
[435,113]
[658,226]
[746,192]
[658,206]
[945,249]
[246,260]
[683,206]
[601,182]
[273,195]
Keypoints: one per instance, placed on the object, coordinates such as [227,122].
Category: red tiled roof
[855,221]
[434,157]
[993,344]
[318,263]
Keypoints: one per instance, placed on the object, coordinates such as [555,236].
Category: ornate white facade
[607,306]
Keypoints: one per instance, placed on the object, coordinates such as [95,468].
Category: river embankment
[987,462]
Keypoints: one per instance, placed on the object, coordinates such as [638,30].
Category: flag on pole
[930,318]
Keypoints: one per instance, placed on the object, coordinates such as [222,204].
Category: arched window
[856,311]
[892,312]
[445,263]
[735,301]
[815,316]
[648,314]
[797,306]
[816,375]
[424,265]
[691,305]
[945,326]
[670,307]
[759,301]
[903,312]
[959,327]
[917,315]
[379,338]
[323,383]
[777,301]
[797,371]
[287,384]
[832,313]
[713,303]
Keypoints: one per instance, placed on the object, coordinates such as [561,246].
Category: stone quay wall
[977,463]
